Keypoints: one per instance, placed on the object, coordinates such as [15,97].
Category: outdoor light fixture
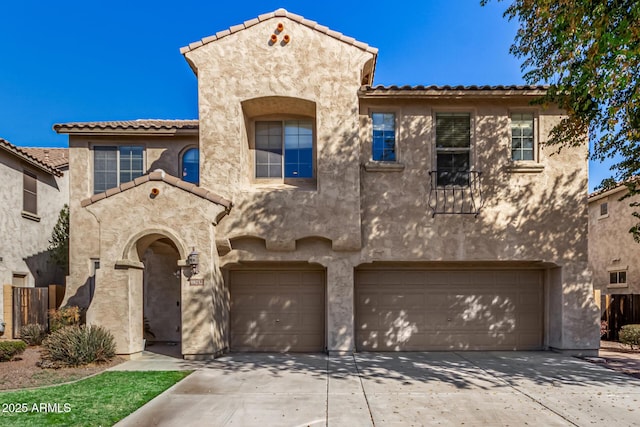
[193,260]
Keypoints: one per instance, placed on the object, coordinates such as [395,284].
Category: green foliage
[79,345]
[64,316]
[630,335]
[589,51]
[59,243]
[33,333]
[101,400]
[10,349]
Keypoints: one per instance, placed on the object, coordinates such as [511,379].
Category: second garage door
[277,310]
[421,310]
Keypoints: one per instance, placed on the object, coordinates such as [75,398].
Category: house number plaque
[196,282]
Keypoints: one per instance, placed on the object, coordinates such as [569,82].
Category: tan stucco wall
[611,246]
[27,240]
[349,215]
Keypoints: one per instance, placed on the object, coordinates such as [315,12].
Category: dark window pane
[453,169]
[105,168]
[622,277]
[453,130]
[384,137]
[30,192]
[613,278]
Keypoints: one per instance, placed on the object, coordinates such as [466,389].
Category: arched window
[191,166]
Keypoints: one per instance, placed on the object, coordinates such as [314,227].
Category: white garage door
[277,310]
[420,310]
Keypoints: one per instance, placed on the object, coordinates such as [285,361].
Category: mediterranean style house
[35,187]
[308,210]
[614,257]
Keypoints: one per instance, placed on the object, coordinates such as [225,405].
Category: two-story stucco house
[614,257]
[34,190]
[307,210]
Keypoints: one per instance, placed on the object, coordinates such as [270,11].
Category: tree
[59,242]
[589,53]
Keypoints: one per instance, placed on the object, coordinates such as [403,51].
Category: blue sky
[117,60]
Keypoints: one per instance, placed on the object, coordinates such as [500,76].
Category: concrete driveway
[389,389]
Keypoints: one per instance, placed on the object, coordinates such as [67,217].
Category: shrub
[79,345]
[64,316]
[630,335]
[10,349]
[33,333]
[604,328]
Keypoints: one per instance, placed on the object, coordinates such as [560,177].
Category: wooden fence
[23,306]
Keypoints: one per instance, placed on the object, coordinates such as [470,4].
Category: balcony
[455,193]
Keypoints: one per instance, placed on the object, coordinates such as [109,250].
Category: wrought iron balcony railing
[455,193]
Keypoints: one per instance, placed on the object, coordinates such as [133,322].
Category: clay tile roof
[37,158]
[435,89]
[615,188]
[140,125]
[55,157]
[160,175]
[277,14]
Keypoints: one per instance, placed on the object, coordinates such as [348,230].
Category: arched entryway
[161,297]
[161,289]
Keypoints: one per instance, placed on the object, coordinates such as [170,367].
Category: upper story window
[617,277]
[284,149]
[522,136]
[29,192]
[113,166]
[384,137]
[453,148]
[604,209]
[191,166]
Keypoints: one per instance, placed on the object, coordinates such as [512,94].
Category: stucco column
[340,317]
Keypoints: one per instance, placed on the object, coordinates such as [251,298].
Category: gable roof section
[619,186]
[145,126]
[280,13]
[160,175]
[33,158]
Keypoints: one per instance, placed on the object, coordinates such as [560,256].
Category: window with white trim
[284,149]
[113,166]
[617,277]
[453,148]
[383,147]
[522,136]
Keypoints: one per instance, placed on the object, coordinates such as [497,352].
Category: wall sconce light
[274,38]
[193,259]
[286,38]
[280,27]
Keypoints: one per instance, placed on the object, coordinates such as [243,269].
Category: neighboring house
[309,211]
[34,189]
[614,256]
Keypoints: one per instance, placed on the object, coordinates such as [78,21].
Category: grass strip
[101,400]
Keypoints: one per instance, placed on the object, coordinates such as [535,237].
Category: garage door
[277,310]
[449,310]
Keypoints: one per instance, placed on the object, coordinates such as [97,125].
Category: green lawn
[102,400]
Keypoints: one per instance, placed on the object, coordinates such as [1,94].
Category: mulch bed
[22,372]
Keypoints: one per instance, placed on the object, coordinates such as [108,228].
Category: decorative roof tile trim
[127,125]
[29,158]
[160,175]
[284,14]
[610,190]
[417,88]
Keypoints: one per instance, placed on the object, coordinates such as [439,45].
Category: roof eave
[462,93]
[44,168]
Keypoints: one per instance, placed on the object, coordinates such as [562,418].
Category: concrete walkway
[381,389]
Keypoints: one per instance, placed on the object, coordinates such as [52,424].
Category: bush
[79,345]
[630,335]
[33,333]
[10,349]
[64,316]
